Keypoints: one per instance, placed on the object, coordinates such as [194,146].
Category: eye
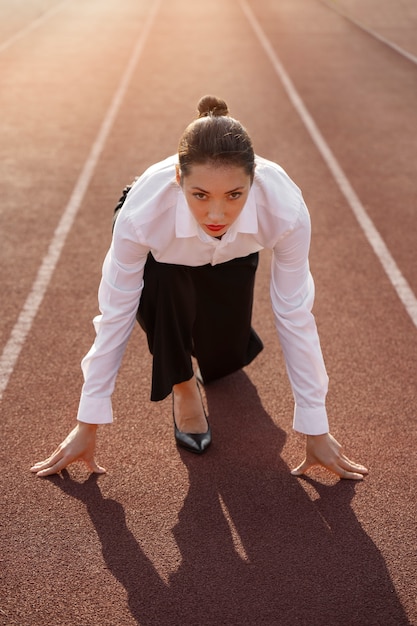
[199,195]
[235,195]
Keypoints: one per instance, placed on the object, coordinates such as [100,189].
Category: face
[215,195]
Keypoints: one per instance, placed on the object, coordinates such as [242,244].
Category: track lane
[362,89]
[30,308]
[16,23]
[386,259]
[51,113]
[394,23]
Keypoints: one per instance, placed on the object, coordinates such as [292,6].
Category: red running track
[230,538]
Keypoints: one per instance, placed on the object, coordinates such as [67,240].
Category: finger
[94,467]
[346,474]
[337,468]
[54,469]
[57,450]
[89,460]
[40,465]
[303,467]
[52,460]
[47,469]
[343,469]
[351,465]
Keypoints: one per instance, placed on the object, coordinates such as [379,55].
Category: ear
[178,175]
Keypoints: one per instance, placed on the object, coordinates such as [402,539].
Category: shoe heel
[193,442]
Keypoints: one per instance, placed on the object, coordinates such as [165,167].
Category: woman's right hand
[79,445]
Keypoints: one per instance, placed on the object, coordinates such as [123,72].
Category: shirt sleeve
[119,294]
[292,296]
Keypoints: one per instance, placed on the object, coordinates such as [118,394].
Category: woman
[182,261]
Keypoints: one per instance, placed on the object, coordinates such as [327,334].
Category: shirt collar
[186,225]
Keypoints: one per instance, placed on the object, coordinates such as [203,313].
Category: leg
[205,311]
[224,340]
[166,313]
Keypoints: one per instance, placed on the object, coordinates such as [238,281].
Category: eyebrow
[225,193]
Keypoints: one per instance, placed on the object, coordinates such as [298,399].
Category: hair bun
[210,105]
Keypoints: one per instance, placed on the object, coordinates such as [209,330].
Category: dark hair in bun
[215,138]
[210,105]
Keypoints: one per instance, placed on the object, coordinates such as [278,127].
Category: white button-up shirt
[155,218]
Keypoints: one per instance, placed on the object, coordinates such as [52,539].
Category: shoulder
[154,191]
[280,205]
[158,173]
[273,182]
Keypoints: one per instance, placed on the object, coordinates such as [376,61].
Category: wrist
[86,426]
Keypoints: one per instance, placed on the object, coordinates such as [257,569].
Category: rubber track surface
[230,538]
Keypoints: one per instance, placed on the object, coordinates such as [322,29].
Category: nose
[216,212]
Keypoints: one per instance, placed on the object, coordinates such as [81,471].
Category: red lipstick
[215,228]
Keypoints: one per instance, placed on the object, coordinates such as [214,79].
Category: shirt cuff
[95,410]
[311,421]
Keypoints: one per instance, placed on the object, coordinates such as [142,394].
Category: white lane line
[32,26]
[408,55]
[393,272]
[28,313]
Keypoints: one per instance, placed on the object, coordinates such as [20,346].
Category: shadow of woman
[255,548]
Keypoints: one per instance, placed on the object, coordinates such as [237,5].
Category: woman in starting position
[182,262]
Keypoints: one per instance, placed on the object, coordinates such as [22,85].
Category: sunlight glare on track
[32,26]
[29,311]
[370,31]
[387,261]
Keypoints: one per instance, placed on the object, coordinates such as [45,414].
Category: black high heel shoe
[193,442]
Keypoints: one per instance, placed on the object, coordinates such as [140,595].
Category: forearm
[292,298]
[119,296]
[306,372]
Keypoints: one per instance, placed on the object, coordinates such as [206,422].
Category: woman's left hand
[326,451]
